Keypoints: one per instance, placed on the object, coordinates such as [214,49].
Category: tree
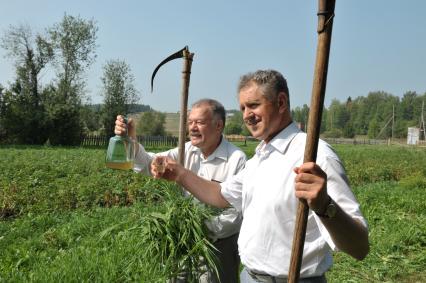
[119,92]
[23,115]
[301,115]
[373,128]
[232,128]
[74,42]
[91,118]
[151,124]
[234,124]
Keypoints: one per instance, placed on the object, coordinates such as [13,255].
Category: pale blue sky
[376,45]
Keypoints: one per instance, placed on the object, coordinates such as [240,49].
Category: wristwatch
[330,210]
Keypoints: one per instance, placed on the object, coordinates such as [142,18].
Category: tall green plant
[174,238]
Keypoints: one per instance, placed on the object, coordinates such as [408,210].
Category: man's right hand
[168,170]
[204,190]
[121,127]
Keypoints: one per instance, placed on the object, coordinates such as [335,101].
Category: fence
[148,141]
[400,142]
[160,141]
[354,141]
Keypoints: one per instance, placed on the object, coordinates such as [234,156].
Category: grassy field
[172,124]
[64,217]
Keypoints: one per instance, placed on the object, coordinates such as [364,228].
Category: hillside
[172,124]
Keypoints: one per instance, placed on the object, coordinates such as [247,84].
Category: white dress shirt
[226,161]
[264,192]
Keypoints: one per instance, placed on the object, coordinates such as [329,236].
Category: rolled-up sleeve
[143,161]
[231,190]
[339,190]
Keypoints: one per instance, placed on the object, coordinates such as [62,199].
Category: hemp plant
[174,237]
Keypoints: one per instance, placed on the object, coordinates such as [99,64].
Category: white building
[413,135]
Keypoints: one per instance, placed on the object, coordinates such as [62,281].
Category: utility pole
[422,123]
[393,119]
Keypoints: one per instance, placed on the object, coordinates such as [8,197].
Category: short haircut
[215,106]
[270,81]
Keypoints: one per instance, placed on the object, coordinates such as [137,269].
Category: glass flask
[121,152]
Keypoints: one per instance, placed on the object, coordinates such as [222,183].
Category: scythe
[186,73]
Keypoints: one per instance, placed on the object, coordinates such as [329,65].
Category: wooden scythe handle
[186,73]
[325,24]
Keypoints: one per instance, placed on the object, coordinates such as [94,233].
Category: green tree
[91,118]
[301,115]
[151,124]
[118,91]
[23,115]
[373,128]
[232,128]
[408,105]
[74,42]
[234,123]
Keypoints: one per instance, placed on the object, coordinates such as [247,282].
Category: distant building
[301,126]
[413,135]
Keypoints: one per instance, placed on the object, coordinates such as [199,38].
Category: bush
[333,133]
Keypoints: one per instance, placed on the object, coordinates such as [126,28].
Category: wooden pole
[186,73]
[325,24]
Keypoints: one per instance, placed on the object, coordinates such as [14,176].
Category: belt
[266,278]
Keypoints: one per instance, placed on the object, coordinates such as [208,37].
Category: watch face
[331,210]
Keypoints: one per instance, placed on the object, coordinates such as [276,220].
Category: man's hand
[166,168]
[121,128]
[349,234]
[311,185]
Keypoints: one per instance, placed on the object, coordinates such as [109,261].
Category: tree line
[379,115]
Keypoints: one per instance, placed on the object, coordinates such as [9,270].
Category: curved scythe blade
[176,55]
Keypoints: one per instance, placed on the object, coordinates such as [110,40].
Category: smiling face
[205,130]
[264,118]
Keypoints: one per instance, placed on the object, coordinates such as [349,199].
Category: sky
[376,45]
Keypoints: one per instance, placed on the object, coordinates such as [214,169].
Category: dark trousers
[228,263]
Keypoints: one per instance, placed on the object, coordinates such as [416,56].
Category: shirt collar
[220,152]
[281,141]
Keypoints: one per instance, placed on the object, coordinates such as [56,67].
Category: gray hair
[215,106]
[270,81]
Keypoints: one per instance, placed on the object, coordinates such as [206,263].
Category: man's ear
[282,101]
[220,125]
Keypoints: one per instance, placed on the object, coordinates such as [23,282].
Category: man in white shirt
[267,189]
[209,155]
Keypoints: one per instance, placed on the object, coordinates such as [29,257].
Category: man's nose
[247,113]
[192,125]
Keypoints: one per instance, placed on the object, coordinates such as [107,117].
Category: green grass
[397,226]
[64,217]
